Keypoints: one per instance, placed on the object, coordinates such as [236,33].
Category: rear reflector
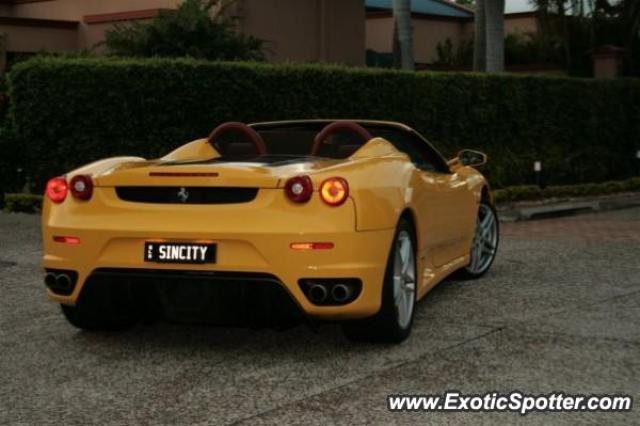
[312,246]
[299,189]
[81,187]
[66,240]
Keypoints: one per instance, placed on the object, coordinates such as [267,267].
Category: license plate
[179,253]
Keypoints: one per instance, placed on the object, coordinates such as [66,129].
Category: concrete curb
[514,212]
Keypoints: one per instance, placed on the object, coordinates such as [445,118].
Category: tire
[393,323]
[485,241]
[100,309]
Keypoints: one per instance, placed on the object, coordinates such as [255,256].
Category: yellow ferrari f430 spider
[350,221]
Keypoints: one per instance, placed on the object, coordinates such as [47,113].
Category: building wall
[74,10]
[19,39]
[289,27]
[307,30]
[296,30]
[380,34]
[87,35]
[520,23]
[428,31]
[344,32]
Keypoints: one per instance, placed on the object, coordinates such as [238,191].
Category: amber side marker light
[312,246]
[66,240]
[334,191]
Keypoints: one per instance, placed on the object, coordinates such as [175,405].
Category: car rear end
[162,230]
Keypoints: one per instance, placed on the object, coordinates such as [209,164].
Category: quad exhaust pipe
[50,280]
[329,292]
[318,293]
[341,293]
[63,282]
[59,282]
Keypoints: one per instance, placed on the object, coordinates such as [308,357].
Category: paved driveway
[560,311]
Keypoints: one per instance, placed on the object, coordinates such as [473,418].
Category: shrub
[519,49]
[532,48]
[459,56]
[72,111]
[531,192]
[25,203]
[193,29]
[10,180]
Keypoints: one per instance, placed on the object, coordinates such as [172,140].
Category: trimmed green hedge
[25,203]
[532,192]
[11,157]
[71,111]
[10,152]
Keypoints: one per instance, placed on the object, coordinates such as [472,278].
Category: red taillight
[57,189]
[66,240]
[311,246]
[81,187]
[334,191]
[299,189]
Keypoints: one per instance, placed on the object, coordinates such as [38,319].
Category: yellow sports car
[350,221]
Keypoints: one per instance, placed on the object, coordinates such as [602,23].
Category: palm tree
[488,53]
[479,37]
[560,19]
[581,25]
[403,34]
[629,12]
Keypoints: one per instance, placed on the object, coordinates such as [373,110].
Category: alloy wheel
[485,241]
[404,278]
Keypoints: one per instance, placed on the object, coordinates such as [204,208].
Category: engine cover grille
[186,194]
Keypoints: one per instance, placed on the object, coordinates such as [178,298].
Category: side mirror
[468,157]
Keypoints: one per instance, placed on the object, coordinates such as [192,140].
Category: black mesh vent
[186,195]
[215,297]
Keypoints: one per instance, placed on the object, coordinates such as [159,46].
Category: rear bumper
[251,238]
[234,299]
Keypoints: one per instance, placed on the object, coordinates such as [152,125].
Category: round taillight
[57,189]
[81,187]
[299,189]
[334,191]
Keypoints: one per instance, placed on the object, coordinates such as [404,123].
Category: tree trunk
[479,37]
[488,52]
[494,12]
[403,30]
[630,10]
